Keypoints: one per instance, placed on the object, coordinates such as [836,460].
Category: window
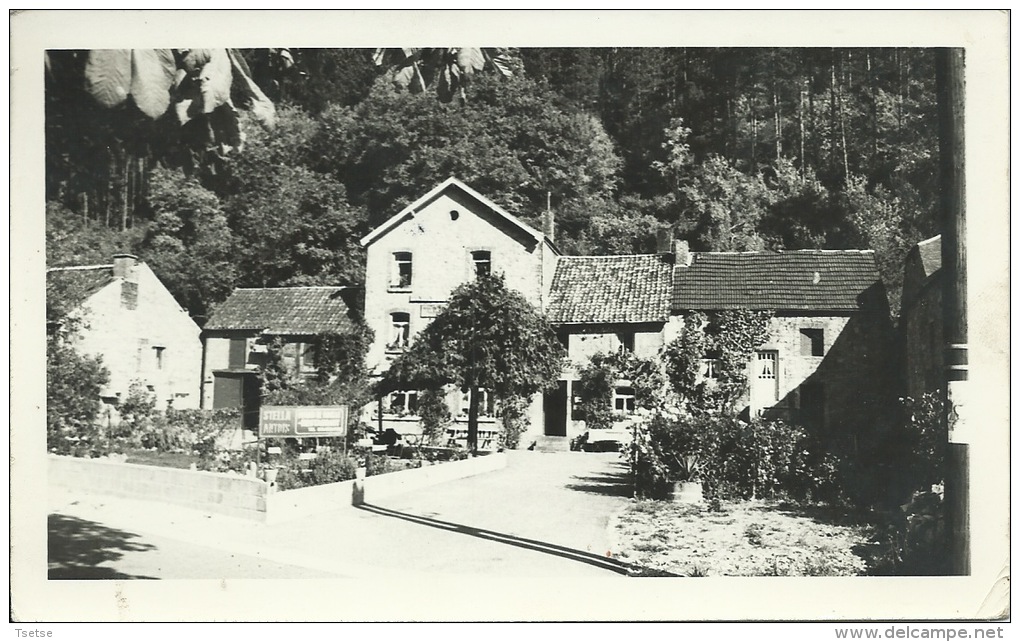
[482,260]
[486,403]
[238,353]
[400,331]
[159,352]
[401,270]
[623,400]
[708,369]
[626,341]
[402,402]
[812,342]
[766,364]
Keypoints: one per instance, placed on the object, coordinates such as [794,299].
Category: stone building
[417,258]
[828,358]
[235,341]
[604,304]
[921,317]
[127,316]
[825,363]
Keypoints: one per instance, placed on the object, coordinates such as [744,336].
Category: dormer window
[401,278]
[482,260]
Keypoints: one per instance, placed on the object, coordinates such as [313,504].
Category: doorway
[554,407]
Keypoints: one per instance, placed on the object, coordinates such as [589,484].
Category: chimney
[124,267]
[681,253]
[548,219]
[664,240]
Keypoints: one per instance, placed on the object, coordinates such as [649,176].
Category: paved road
[545,514]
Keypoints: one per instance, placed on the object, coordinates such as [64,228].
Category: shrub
[201,429]
[327,468]
[73,384]
[732,458]
[927,434]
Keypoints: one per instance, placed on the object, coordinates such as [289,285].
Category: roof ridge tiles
[68,268]
[299,287]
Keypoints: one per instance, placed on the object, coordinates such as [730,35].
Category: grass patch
[158,458]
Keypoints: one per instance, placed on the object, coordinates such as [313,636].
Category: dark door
[238,390]
[555,409]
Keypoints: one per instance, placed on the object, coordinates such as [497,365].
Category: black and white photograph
[616,316]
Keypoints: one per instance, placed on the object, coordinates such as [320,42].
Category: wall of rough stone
[921,327]
[856,371]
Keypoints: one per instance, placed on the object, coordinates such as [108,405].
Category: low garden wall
[250,498]
[235,496]
[301,502]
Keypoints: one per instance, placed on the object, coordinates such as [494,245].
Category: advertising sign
[303,421]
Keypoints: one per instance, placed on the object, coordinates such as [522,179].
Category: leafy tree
[293,224]
[189,244]
[448,69]
[487,338]
[111,114]
[73,384]
[516,143]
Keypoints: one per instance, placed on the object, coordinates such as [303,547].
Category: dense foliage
[73,384]
[733,459]
[597,379]
[729,338]
[487,338]
[733,148]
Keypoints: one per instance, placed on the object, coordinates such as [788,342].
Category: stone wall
[921,327]
[213,492]
[246,497]
[855,372]
[154,341]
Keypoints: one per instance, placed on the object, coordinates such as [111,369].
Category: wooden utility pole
[949,77]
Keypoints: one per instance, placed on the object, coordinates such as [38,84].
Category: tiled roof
[930,252]
[80,282]
[798,280]
[293,311]
[610,289]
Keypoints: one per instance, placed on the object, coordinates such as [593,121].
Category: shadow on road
[77,547]
[608,563]
[612,484]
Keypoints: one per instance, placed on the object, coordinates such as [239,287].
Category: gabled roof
[610,289]
[79,282]
[285,311]
[409,211]
[817,280]
[930,252]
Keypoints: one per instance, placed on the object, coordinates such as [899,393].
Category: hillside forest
[264,167]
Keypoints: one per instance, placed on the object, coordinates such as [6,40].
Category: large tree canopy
[487,338]
[733,148]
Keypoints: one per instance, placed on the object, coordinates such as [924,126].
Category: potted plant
[689,489]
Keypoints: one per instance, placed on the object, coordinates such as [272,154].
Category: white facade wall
[129,341]
[441,247]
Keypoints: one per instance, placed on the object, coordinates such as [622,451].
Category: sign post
[303,421]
